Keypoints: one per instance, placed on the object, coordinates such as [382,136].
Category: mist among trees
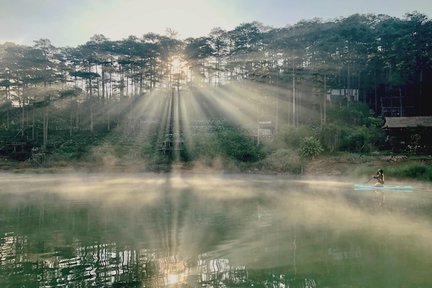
[96,86]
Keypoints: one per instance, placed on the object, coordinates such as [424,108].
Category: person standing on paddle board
[379,176]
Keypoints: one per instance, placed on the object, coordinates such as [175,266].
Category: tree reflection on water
[105,265]
[196,232]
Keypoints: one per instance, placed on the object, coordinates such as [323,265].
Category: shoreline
[324,166]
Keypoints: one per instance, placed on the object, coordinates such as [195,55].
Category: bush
[355,114]
[360,139]
[330,137]
[352,128]
[310,147]
[351,139]
[419,171]
[238,145]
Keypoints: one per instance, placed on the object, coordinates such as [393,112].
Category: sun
[176,65]
[179,68]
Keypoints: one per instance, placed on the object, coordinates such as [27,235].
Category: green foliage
[354,139]
[330,137]
[415,170]
[70,92]
[73,148]
[352,129]
[5,106]
[360,139]
[84,74]
[356,114]
[310,147]
[238,145]
[378,55]
[375,122]
[229,142]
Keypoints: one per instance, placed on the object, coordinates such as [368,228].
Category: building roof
[405,122]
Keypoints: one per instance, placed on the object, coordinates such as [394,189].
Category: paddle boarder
[379,176]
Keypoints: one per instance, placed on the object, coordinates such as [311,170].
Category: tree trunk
[400,103]
[293,98]
[45,129]
[324,103]
[376,92]
[421,91]
[111,85]
[71,121]
[22,119]
[348,87]
[91,116]
[77,115]
[103,82]
[141,84]
[97,83]
[108,118]
[91,106]
[33,124]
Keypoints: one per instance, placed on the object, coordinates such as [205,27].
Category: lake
[202,230]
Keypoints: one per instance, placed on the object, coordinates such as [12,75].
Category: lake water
[145,230]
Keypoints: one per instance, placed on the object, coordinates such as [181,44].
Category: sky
[73,22]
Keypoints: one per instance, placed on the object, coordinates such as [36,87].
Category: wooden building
[409,134]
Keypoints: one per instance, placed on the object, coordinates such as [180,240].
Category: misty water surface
[146,230]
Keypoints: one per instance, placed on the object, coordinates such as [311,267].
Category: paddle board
[393,188]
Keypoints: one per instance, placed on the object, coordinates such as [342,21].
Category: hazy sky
[73,22]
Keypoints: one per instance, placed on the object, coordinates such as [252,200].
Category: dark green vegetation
[420,171]
[134,103]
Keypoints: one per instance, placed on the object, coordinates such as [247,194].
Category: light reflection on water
[149,230]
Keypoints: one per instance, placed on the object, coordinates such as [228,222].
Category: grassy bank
[363,166]
[412,170]
[283,162]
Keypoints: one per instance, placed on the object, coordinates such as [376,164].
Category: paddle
[369,180]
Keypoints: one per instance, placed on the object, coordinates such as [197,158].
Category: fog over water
[203,230]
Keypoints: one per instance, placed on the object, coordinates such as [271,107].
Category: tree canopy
[383,58]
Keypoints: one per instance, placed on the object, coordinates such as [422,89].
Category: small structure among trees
[412,134]
[265,131]
[343,95]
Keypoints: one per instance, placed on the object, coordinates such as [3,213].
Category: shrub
[238,145]
[418,171]
[310,147]
[354,114]
[330,137]
[360,139]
